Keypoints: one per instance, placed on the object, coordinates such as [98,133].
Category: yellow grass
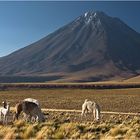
[68,125]
[125,129]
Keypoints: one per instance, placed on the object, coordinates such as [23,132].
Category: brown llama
[30,109]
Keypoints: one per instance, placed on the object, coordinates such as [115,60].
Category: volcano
[93,47]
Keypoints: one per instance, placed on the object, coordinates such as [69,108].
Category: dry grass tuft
[10,135]
[72,130]
[118,131]
[29,132]
[19,123]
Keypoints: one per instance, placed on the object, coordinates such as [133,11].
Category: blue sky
[22,23]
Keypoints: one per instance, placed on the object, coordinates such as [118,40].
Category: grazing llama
[31,109]
[91,107]
[4,112]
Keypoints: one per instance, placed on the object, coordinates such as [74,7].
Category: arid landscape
[114,128]
[68,123]
[70,70]
[120,100]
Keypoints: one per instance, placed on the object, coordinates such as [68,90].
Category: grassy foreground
[69,125]
[109,129]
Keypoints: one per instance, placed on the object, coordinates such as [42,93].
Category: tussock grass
[29,132]
[10,135]
[125,129]
[69,125]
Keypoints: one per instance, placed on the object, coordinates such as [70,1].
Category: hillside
[135,79]
[93,47]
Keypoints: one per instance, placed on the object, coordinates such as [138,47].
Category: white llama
[4,112]
[91,107]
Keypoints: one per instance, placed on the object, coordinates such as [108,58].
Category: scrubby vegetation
[120,100]
[68,125]
[57,129]
[88,85]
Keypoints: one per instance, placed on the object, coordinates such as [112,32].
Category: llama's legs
[29,118]
[14,117]
[33,119]
[4,118]
[83,113]
[97,115]
[94,113]
[36,119]
[26,117]
[0,116]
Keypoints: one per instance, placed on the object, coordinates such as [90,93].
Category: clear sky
[22,23]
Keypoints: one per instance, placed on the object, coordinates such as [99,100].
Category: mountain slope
[93,47]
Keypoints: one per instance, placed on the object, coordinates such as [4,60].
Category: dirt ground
[119,100]
[68,117]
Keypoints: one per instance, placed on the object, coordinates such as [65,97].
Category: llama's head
[4,104]
[41,117]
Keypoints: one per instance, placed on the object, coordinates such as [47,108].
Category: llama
[4,111]
[91,107]
[30,108]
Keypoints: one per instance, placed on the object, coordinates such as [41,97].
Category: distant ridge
[93,47]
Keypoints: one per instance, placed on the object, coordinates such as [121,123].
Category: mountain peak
[91,16]
[94,13]
[90,13]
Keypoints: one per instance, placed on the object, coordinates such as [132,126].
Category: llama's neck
[5,105]
[8,107]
